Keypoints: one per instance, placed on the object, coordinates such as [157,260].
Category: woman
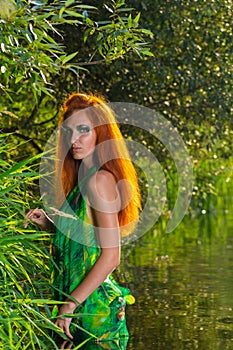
[100,186]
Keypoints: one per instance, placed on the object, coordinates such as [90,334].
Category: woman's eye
[66,131]
[83,129]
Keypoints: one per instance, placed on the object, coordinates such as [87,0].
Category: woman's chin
[76,155]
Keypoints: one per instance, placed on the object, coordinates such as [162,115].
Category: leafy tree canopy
[52,48]
[46,43]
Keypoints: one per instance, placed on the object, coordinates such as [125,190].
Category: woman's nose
[74,137]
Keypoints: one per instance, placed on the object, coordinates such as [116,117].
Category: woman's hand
[38,217]
[64,322]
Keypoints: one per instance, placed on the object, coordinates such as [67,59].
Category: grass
[25,293]
[26,302]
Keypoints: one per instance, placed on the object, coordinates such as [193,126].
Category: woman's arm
[104,204]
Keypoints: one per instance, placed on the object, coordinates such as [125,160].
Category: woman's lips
[76,149]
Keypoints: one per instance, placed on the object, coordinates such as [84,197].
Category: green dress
[101,317]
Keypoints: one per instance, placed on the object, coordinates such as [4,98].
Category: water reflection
[88,344]
[183,286]
[93,346]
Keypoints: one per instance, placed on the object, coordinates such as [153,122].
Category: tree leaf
[126,9]
[86,34]
[74,14]
[136,19]
[69,57]
[86,7]
[69,2]
[108,8]
[18,79]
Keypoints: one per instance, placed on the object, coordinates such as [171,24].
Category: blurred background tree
[45,47]
[189,81]
[50,49]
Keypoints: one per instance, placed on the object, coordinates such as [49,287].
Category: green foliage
[189,81]
[26,306]
[32,46]
[24,260]
[119,35]
[29,53]
[44,48]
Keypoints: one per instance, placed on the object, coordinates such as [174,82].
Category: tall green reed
[25,293]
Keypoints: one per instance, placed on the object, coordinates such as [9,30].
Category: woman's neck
[84,167]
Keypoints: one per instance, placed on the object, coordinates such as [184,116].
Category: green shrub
[25,294]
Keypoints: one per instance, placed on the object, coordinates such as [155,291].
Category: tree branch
[34,144]
[81,64]
[34,111]
[48,120]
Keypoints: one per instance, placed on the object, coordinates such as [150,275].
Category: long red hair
[114,158]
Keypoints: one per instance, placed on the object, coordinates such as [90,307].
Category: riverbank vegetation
[173,57]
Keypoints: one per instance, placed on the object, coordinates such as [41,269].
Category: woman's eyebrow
[76,125]
[64,126]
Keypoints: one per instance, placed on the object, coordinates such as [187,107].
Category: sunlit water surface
[183,284]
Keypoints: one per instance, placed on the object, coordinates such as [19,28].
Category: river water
[183,284]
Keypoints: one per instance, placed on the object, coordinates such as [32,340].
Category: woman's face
[79,134]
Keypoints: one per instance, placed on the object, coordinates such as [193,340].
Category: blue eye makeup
[82,129]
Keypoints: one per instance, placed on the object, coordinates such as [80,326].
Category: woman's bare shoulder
[103,183]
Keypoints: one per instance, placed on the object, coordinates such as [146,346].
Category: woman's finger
[33,212]
[67,330]
[37,220]
[64,324]
[36,213]
[27,217]
[29,213]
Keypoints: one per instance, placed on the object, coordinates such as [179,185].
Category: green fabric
[75,251]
